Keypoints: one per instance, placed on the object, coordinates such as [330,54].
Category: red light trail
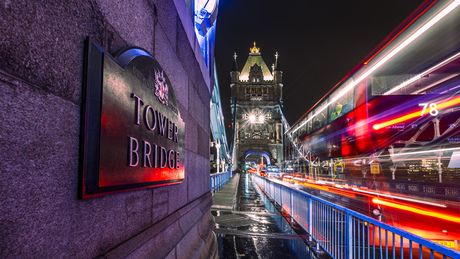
[417,210]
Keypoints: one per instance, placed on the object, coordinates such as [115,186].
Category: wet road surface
[256,229]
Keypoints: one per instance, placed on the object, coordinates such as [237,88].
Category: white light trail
[426,72]
[395,51]
[425,151]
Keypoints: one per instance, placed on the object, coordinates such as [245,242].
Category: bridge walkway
[248,225]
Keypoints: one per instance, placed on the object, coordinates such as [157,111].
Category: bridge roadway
[248,225]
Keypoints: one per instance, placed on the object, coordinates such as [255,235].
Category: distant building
[255,94]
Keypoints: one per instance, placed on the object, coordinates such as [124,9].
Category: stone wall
[41,68]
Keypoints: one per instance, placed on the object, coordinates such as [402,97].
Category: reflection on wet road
[256,229]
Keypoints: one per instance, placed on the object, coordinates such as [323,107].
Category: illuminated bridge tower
[257,123]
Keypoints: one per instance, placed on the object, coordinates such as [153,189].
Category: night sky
[318,42]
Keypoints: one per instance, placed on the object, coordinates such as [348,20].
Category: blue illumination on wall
[205,16]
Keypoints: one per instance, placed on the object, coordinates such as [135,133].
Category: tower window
[255,74]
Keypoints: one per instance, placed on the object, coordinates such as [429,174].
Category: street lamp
[261,118]
[256,117]
[217,159]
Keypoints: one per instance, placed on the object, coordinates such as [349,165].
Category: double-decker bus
[388,134]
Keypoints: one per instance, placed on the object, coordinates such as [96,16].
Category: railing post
[310,219]
[292,207]
[349,230]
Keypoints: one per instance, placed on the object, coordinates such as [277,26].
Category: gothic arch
[261,153]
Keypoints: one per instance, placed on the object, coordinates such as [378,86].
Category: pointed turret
[235,64]
[235,74]
[277,63]
[277,73]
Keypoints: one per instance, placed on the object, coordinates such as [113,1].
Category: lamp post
[217,158]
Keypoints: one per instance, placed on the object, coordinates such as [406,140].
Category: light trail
[329,189]
[424,73]
[387,57]
[413,209]
[401,198]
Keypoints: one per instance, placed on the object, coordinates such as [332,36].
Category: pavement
[248,225]
[225,198]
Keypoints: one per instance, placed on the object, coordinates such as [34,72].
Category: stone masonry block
[210,250]
[177,196]
[191,245]
[168,20]
[171,230]
[132,20]
[195,179]
[160,203]
[207,121]
[203,91]
[191,138]
[196,106]
[172,255]
[207,180]
[160,245]
[203,143]
[187,56]
[206,225]
[189,219]
[40,47]
[167,57]
[179,80]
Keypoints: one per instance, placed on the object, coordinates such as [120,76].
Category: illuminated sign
[375,168]
[133,134]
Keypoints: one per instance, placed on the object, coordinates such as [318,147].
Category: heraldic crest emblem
[161,87]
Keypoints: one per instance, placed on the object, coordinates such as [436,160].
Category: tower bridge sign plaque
[132,131]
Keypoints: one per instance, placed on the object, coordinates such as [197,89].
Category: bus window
[303,129]
[381,85]
[343,104]
[320,120]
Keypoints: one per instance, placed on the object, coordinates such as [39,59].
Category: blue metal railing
[218,180]
[343,233]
